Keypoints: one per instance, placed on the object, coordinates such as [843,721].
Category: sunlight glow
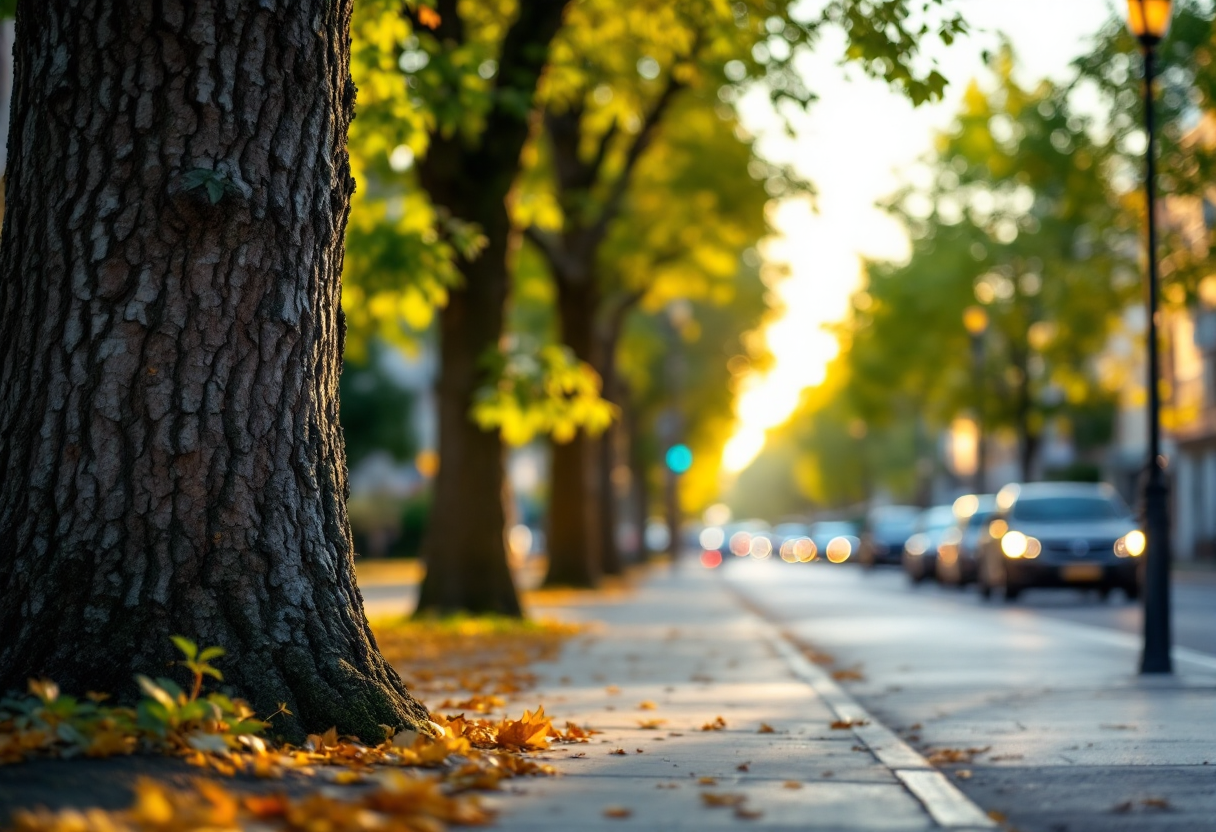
[859,143]
[822,277]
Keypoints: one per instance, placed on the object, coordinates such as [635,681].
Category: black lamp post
[1148,21]
[975,321]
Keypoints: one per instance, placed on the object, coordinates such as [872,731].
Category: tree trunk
[465,548]
[574,500]
[608,445]
[1028,439]
[639,480]
[170,457]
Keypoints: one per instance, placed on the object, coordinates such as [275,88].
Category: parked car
[956,556]
[835,540]
[1077,535]
[920,550]
[887,528]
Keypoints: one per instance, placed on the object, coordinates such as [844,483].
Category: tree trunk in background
[465,547]
[170,456]
[638,480]
[574,487]
[1028,440]
[608,444]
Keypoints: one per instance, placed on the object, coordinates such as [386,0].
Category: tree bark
[574,500]
[170,456]
[639,469]
[465,547]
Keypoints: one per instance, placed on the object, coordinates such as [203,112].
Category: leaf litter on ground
[409,781]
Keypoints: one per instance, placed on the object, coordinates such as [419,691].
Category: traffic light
[679,459]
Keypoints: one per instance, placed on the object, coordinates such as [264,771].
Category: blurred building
[1189,371]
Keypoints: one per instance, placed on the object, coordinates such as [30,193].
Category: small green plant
[166,718]
[204,723]
[197,662]
[214,182]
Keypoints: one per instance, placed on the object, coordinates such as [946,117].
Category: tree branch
[649,129]
[547,242]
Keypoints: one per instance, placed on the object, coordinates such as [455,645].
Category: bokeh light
[839,549]
[711,558]
[805,550]
[711,537]
[761,547]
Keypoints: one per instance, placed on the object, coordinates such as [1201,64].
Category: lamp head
[1149,20]
[975,320]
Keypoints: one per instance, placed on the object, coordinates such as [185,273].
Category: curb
[945,803]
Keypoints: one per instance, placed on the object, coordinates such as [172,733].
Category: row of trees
[1032,214]
[602,139]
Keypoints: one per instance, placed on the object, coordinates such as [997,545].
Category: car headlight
[1131,545]
[1017,545]
[839,549]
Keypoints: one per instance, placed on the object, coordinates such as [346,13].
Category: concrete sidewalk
[683,655]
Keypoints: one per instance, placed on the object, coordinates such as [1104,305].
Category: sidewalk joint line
[945,803]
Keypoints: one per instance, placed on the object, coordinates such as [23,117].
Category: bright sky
[859,142]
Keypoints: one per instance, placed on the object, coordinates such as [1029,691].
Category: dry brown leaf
[651,724]
[720,800]
[948,756]
[717,725]
[707,781]
[618,812]
[620,752]
[530,732]
[791,784]
[647,706]
[846,724]
[849,674]
[743,767]
[765,728]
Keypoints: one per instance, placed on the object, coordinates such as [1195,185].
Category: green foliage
[1184,106]
[424,77]
[540,391]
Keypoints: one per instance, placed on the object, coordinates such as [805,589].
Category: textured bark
[465,547]
[170,456]
[582,516]
[574,500]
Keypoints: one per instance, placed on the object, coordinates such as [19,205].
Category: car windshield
[936,519]
[832,528]
[979,519]
[1066,509]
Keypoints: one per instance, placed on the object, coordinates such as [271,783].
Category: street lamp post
[975,320]
[1148,21]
